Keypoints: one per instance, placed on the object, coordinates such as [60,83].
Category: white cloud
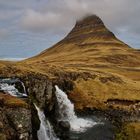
[44,15]
[59,14]
[37,21]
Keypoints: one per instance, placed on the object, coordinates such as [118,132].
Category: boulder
[64,125]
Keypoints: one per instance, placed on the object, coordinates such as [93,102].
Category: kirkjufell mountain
[90,43]
[91,65]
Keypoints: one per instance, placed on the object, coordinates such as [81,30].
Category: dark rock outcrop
[15,119]
[64,125]
[40,90]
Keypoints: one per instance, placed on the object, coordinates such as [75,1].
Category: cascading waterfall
[24,89]
[9,86]
[66,113]
[45,132]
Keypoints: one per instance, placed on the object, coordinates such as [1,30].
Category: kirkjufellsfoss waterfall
[66,113]
[46,131]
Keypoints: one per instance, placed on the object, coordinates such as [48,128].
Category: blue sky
[30,26]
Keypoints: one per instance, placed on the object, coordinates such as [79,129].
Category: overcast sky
[29,26]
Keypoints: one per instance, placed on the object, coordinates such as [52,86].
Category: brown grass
[10,101]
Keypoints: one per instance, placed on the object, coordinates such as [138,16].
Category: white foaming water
[11,89]
[45,132]
[66,113]
[25,93]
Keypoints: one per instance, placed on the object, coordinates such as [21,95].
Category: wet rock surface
[64,125]
[39,88]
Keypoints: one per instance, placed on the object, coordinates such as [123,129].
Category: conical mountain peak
[88,32]
[90,27]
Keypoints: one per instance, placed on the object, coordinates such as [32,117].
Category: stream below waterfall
[103,130]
